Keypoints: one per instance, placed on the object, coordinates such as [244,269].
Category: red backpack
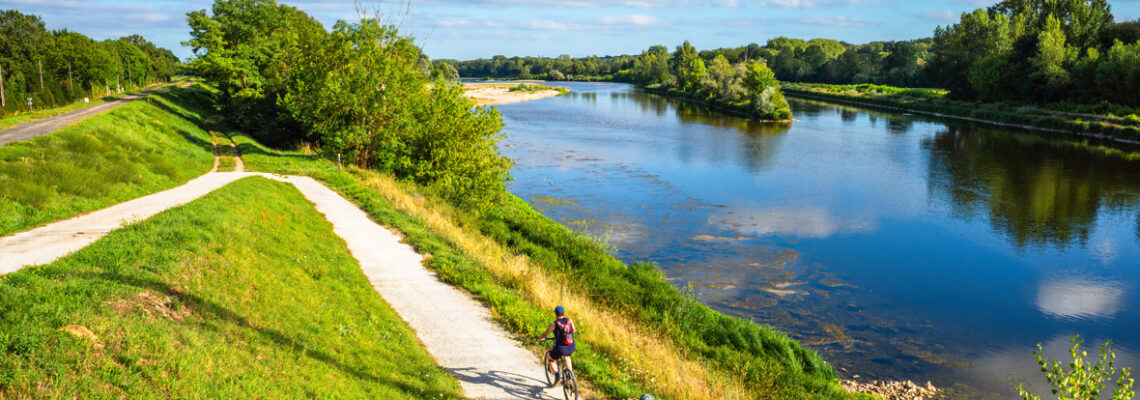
[564,332]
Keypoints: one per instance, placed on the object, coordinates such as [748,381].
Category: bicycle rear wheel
[569,385]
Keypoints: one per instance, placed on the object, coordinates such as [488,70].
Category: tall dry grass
[654,361]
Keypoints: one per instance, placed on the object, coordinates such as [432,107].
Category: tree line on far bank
[1027,51]
[1040,50]
[793,60]
[360,90]
[58,67]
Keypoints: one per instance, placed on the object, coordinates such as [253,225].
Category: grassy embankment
[1065,118]
[22,117]
[136,149]
[637,332]
[244,293]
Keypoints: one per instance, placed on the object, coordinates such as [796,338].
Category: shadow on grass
[217,311]
[249,148]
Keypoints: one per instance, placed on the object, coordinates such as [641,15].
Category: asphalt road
[48,125]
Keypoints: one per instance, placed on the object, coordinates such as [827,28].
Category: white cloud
[836,21]
[555,3]
[941,15]
[806,3]
[635,20]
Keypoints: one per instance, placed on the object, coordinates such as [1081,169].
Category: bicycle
[569,381]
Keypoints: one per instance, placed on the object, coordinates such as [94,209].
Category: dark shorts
[557,352]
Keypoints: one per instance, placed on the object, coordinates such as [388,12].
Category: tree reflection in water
[1035,191]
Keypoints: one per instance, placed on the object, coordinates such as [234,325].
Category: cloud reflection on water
[1079,298]
[798,222]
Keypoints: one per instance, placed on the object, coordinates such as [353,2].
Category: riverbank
[640,333]
[1119,129]
[486,93]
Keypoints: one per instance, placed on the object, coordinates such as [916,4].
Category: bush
[1083,381]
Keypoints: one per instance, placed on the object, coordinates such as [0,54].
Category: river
[898,246]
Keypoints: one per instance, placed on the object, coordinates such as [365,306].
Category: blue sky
[483,28]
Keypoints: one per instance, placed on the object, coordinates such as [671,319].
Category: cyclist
[563,329]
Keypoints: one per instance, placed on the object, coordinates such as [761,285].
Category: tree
[1118,74]
[1052,55]
[361,93]
[956,48]
[249,50]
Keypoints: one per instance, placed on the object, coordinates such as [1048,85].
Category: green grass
[766,362]
[226,162]
[136,149]
[22,117]
[244,293]
[50,112]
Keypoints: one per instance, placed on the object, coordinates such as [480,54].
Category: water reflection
[1079,298]
[1032,190]
[899,246]
[796,222]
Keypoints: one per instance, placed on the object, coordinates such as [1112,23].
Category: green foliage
[1036,51]
[361,91]
[748,87]
[26,47]
[1052,56]
[249,50]
[1082,380]
[1119,73]
[362,95]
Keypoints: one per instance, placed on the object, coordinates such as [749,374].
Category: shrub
[1083,381]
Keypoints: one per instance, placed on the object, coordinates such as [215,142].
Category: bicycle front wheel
[569,385]
[546,368]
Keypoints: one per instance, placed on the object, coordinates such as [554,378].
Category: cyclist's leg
[552,361]
[569,366]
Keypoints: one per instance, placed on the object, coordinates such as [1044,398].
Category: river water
[898,246]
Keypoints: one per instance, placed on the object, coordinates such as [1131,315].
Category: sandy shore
[499,93]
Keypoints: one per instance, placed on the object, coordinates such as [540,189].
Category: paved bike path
[40,127]
[455,329]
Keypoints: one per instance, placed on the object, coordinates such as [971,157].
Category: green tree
[1118,74]
[956,48]
[362,94]
[249,50]
[1052,55]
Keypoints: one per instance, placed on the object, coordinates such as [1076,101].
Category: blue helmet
[559,310]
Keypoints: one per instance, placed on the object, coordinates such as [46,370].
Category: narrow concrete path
[50,242]
[455,329]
